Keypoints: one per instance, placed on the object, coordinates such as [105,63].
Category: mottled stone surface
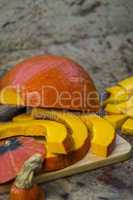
[96,33]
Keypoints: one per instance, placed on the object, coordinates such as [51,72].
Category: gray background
[96,33]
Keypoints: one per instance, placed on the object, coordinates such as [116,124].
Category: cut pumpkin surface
[129,112]
[103,134]
[57,161]
[127,127]
[57,136]
[116,120]
[120,111]
[121,92]
[77,128]
[117,94]
[127,84]
[120,107]
[116,108]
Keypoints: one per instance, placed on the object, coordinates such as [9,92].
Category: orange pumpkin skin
[59,81]
[35,193]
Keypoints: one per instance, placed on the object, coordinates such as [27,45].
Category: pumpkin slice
[120,108]
[116,120]
[49,81]
[79,133]
[103,134]
[115,108]
[76,128]
[127,127]
[58,139]
[127,84]
[117,94]
[72,122]
[55,162]
[129,112]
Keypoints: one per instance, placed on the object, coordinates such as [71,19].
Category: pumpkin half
[50,82]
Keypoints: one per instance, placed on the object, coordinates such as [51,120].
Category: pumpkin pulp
[103,134]
[57,136]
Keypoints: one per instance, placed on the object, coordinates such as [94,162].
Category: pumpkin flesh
[75,128]
[127,127]
[116,120]
[103,134]
[117,94]
[58,139]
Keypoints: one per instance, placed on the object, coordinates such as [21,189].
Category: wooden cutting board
[122,152]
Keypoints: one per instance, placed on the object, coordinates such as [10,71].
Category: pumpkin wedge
[121,92]
[119,105]
[58,139]
[116,120]
[127,127]
[51,82]
[120,108]
[117,94]
[55,162]
[103,134]
[127,84]
[80,136]
[129,112]
[77,128]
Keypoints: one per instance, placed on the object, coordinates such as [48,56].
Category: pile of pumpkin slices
[66,136]
[119,106]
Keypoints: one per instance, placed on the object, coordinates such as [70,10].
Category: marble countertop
[99,35]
